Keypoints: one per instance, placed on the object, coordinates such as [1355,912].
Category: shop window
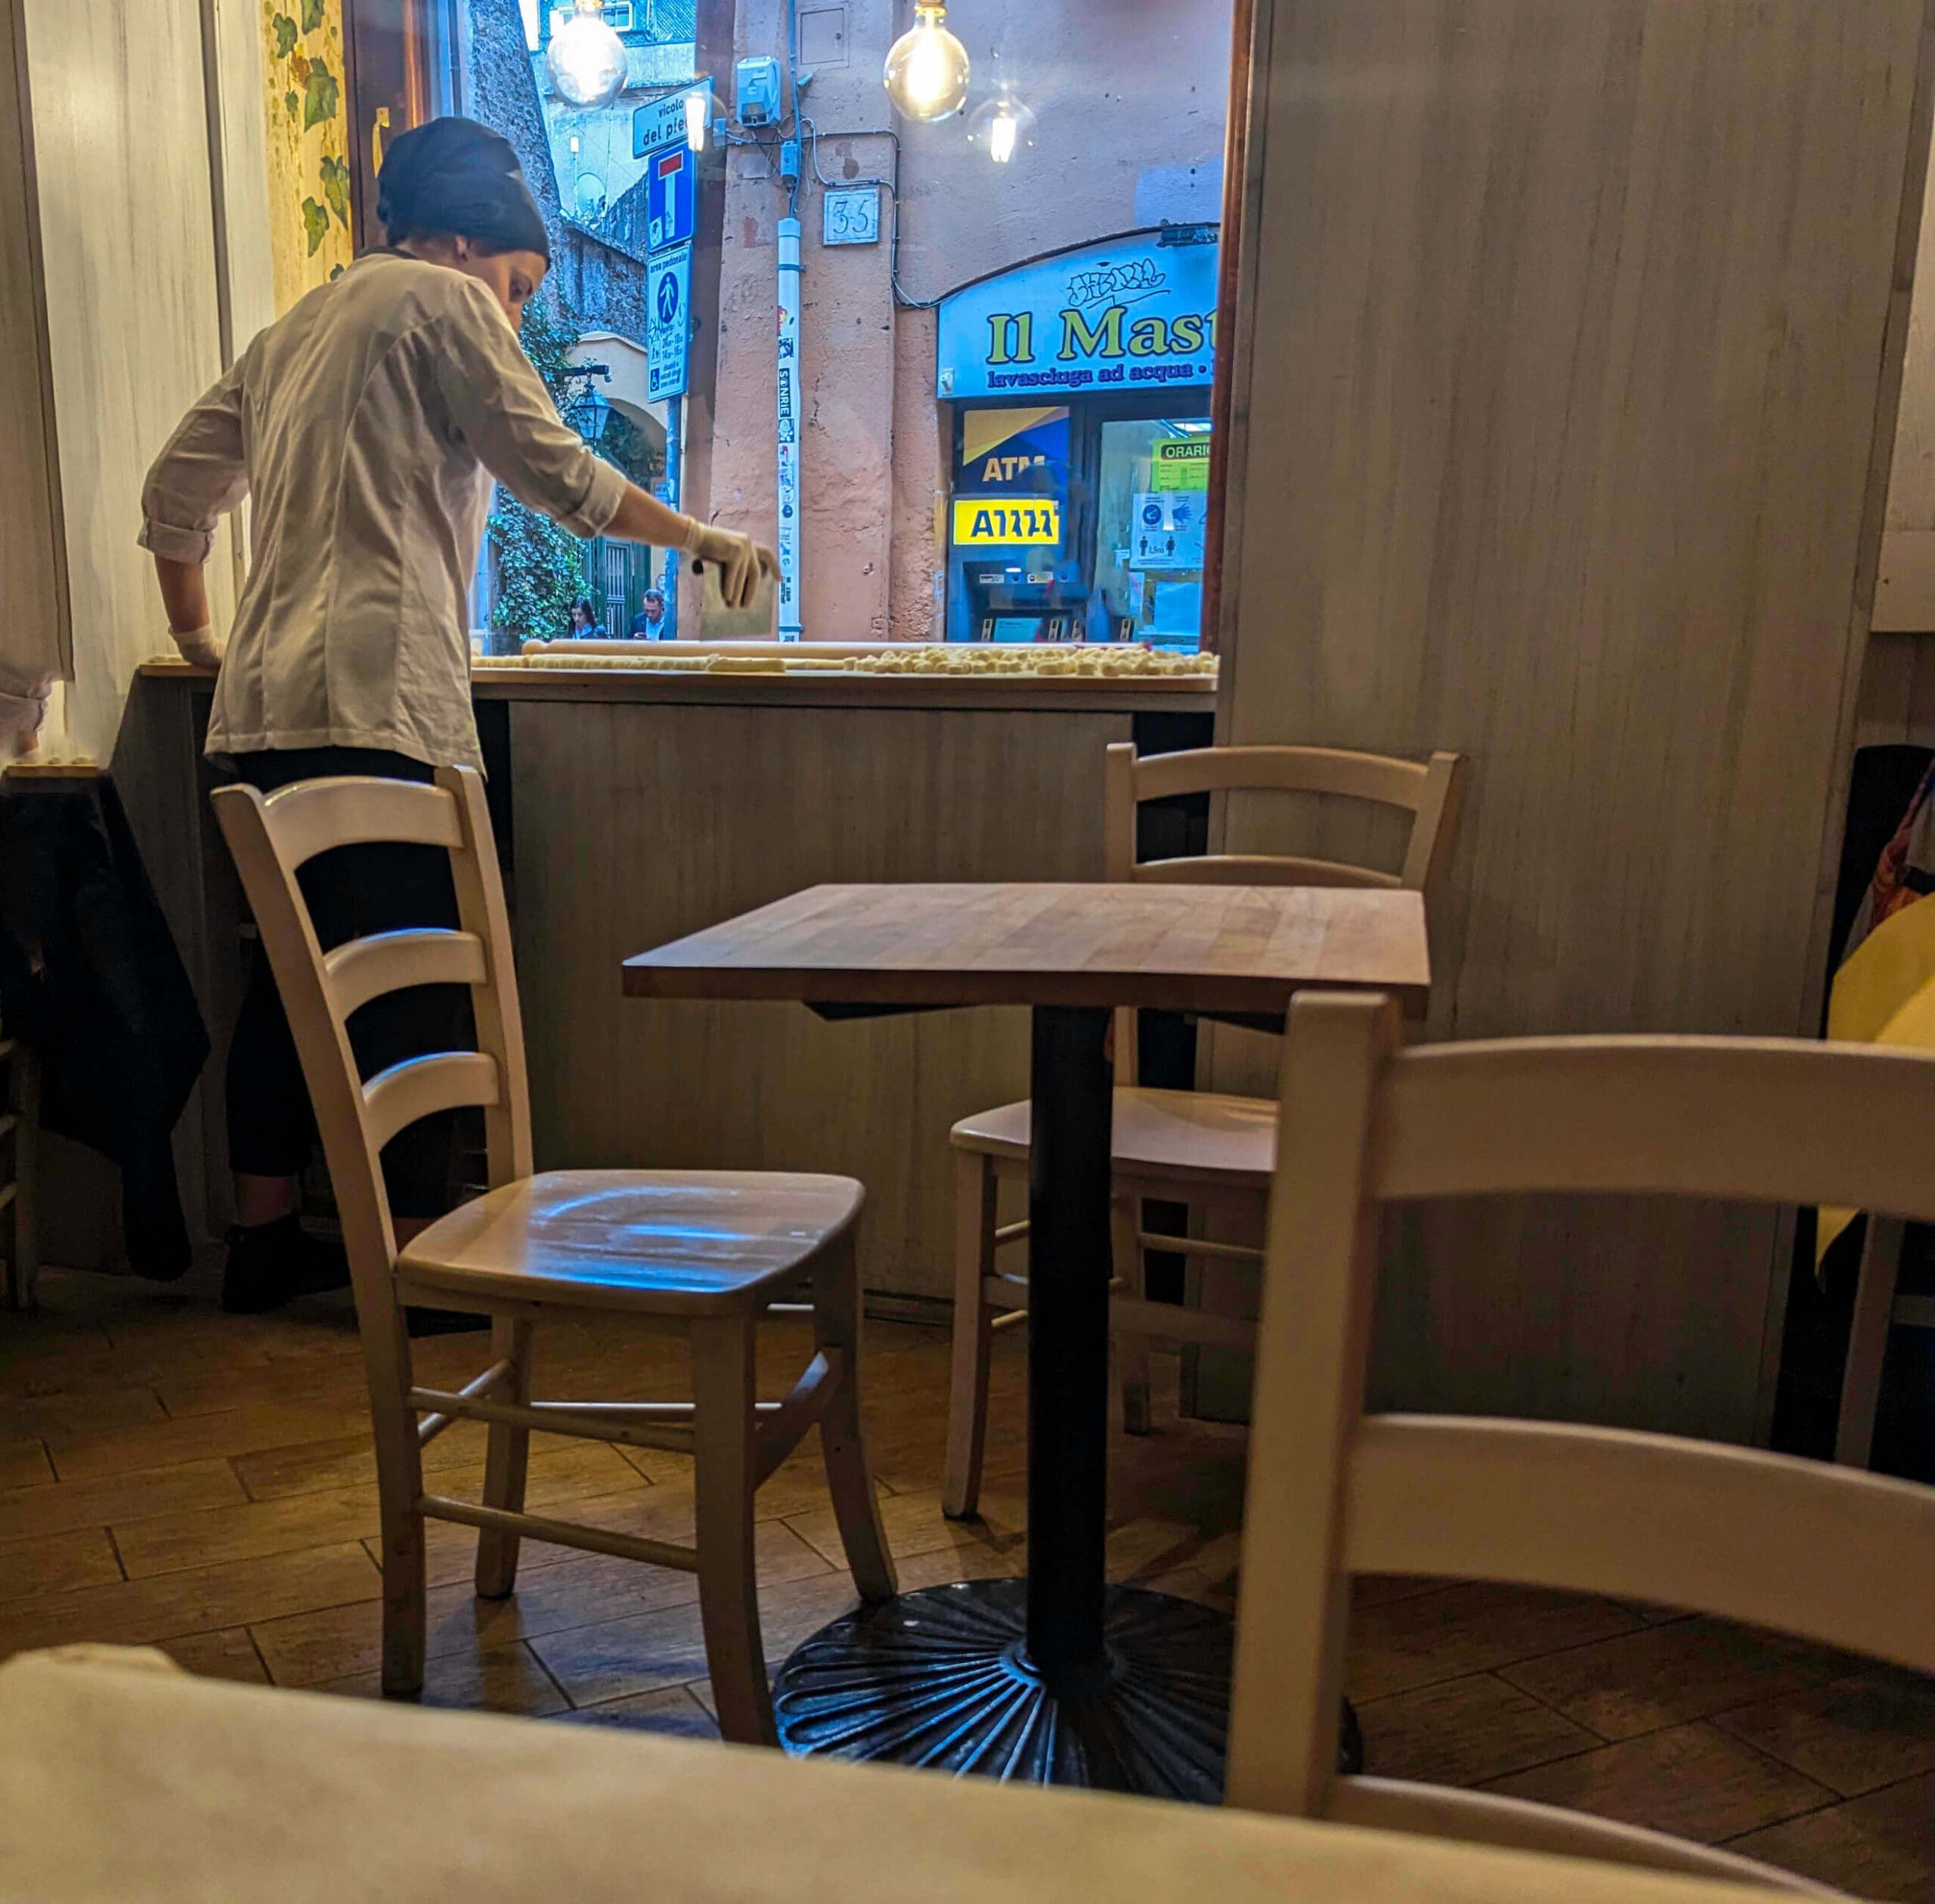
[1152,506]
[987,417]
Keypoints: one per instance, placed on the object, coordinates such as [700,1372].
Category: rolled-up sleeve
[198,478]
[499,404]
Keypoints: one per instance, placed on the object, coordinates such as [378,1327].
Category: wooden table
[119,1781]
[1064,1680]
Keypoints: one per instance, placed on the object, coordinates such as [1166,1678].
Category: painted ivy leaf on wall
[298,69]
[316,223]
[320,96]
[336,187]
[312,15]
[286,35]
[293,100]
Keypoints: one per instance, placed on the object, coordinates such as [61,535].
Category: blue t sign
[668,197]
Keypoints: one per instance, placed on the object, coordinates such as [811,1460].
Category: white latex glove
[737,558]
[22,708]
[199,647]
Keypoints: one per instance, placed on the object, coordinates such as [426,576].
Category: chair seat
[653,1242]
[1188,1136]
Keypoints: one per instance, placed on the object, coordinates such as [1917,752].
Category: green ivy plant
[540,566]
[314,98]
[336,188]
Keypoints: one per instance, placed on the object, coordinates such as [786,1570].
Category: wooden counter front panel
[636,825]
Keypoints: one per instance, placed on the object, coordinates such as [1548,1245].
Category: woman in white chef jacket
[366,427]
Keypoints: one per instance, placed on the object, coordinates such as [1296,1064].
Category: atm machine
[1014,567]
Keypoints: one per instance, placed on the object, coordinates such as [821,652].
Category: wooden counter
[644,806]
[1006,693]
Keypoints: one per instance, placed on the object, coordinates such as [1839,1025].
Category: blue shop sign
[1129,314]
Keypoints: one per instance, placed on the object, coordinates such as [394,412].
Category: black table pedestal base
[941,1678]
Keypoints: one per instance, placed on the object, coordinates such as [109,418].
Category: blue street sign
[668,327]
[668,198]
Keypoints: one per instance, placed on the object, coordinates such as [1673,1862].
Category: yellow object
[1883,994]
[985,522]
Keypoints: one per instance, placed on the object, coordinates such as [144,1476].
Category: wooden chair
[1808,1548]
[1210,1150]
[20,1131]
[704,1253]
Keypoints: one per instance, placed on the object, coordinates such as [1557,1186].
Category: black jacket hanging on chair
[91,979]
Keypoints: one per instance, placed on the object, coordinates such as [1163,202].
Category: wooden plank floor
[173,1477]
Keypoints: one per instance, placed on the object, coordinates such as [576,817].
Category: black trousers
[352,892]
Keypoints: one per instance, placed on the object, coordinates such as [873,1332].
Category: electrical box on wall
[756,90]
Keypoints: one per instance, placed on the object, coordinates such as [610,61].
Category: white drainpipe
[789,429]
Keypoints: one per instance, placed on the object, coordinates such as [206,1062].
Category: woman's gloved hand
[198,647]
[739,560]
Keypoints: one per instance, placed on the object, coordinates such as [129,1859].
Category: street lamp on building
[585,58]
[587,408]
[926,66]
[1001,127]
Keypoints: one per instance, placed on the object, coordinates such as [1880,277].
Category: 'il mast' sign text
[1132,314]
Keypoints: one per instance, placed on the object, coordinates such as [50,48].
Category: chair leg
[505,1464]
[400,1494]
[1131,1352]
[974,1211]
[22,1264]
[1868,1344]
[722,1351]
[837,1325]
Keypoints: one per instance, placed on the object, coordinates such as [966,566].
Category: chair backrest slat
[366,968]
[1378,777]
[1755,1120]
[1764,1538]
[419,1086]
[1827,1553]
[1261,869]
[310,816]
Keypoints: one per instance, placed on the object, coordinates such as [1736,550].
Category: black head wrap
[453,176]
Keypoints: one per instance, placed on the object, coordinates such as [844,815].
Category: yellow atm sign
[992,522]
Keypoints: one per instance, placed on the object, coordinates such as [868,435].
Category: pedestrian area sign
[668,323]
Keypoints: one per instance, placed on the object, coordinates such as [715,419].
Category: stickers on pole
[786,435]
[668,321]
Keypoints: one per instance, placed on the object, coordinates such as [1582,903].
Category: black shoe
[270,1263]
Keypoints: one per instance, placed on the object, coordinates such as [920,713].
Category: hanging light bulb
[585,59]
[1001,127]
[926,66]
[699,105]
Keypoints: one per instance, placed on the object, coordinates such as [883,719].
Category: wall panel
[1576,335]
[636,824]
